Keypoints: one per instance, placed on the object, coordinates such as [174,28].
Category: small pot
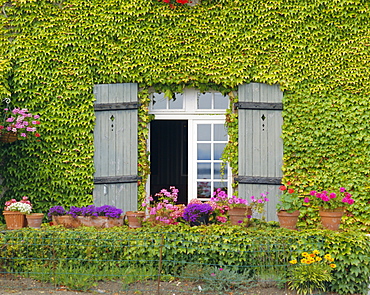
[288,220]
[135,218]
[35,219]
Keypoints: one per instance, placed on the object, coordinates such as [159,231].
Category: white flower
[20,207]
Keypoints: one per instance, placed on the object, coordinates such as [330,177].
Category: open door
[169,157]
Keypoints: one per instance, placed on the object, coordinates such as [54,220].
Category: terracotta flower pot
[100,221]
[34,219]
[237,215]
[14,220]
[288,220]
[66,220]
[135,218]
[330,219]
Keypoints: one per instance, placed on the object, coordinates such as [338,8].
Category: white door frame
[190,113]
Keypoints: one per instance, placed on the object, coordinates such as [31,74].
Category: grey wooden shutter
[260,142]
[115,139]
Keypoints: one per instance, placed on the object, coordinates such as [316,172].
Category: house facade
[295,76]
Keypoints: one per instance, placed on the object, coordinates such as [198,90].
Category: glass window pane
[218,149]
[217,171]
[220,184]
[221,102]
[204,171]
[204,189]
[204,132]
[204,100]
[177,103]
[159,101]
[220,132]
[204,151]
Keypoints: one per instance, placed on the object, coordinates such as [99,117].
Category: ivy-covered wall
[52,53]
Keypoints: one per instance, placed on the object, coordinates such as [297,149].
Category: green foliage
[221,280]
[310,273]
[52,53]
[251,251]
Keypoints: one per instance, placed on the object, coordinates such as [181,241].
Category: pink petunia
[306,200]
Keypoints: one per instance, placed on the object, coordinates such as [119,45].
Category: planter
[330,219]
[201,220]
[34,219]
[14,220]
[135,218]
[288,220]
[8,137]
[238,215]
[66,220]
[100,221]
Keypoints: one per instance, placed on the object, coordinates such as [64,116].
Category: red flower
[38,122]
[282,188]
[289,183]
[290,191]
[166,1]
[37,134]
[182,1]
[172,6]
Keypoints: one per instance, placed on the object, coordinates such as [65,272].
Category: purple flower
[193,211]
[56,211]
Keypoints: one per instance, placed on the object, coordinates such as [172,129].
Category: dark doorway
[169,157]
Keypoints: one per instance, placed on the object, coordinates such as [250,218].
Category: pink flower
[312,193]
[350,201]
[306,200]
[221,219]
[332,195]
[23,134]
[342,189]
[220,269]
[325,198]
[213,274]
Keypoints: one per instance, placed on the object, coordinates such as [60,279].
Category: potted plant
[18,124]
[102,217]
[162,208]
[288,208]
[197,214]
[135,218]
[15,213]
[331,206]
[59,216]
[240,210]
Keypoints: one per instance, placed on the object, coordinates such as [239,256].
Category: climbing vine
[53,53]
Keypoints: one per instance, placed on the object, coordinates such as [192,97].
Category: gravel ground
[15,285]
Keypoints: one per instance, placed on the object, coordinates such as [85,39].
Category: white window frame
[194,116]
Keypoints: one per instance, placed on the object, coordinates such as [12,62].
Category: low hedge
[28,249]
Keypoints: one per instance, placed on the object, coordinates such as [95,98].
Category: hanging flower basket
[8,137]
